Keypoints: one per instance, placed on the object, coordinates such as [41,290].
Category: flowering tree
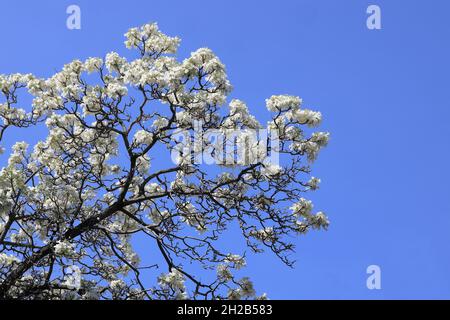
[71,206]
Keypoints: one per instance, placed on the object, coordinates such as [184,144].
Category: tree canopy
[74,202]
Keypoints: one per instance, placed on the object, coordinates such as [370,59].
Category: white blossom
[64,248]
[302,207]
[174,279]
[114,62]
[236,260]
[270,170]
[283,103]
[142,137]
[117,285]
[313,183]
[93,64]
[7,260]
[224,272]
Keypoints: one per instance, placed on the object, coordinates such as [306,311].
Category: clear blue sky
[384,95]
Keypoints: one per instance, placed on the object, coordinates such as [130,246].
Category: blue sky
[383,93]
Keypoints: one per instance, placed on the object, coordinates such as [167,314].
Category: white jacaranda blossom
[224,272]
[158,217]
[160,123]
[313,183]
[153,188]
[150,40]
[283,103]
[93,64]
[116,90]
[246,287]
[64,249]
[236,261]
[114,62]
[271,170]
[142,137]
[239,115]
[117,285]
[143,163]
[234,294]
[174,279]
[311,146]
[18,154]
[7,260]
[319,220]
[191,216]
[266,234]
[115,169]
[303,207]
[308,117]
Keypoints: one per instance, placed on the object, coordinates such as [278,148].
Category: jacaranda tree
[74,204]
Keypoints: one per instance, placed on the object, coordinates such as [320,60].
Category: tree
[77,200]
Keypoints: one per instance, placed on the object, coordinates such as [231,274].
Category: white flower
[191,217]
[262,297]
[302,207]
[7,260]
[152,188]
[133,38]
[19,149]
[266,234]
[283,103]
[93,64]
[97,157]
[247,289]
[234,294]
[114,62]
[115,169]
[159,216]
[239,114]
[174,279]
[311,146]
[223,272]
[313,183]
[321,138]
[155,41]
[270,170]
[308,117]
[115,90]
[64,248]
[236,260]
[319,220]
[160,123]
[143,163]
[142,137]
[117,285]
